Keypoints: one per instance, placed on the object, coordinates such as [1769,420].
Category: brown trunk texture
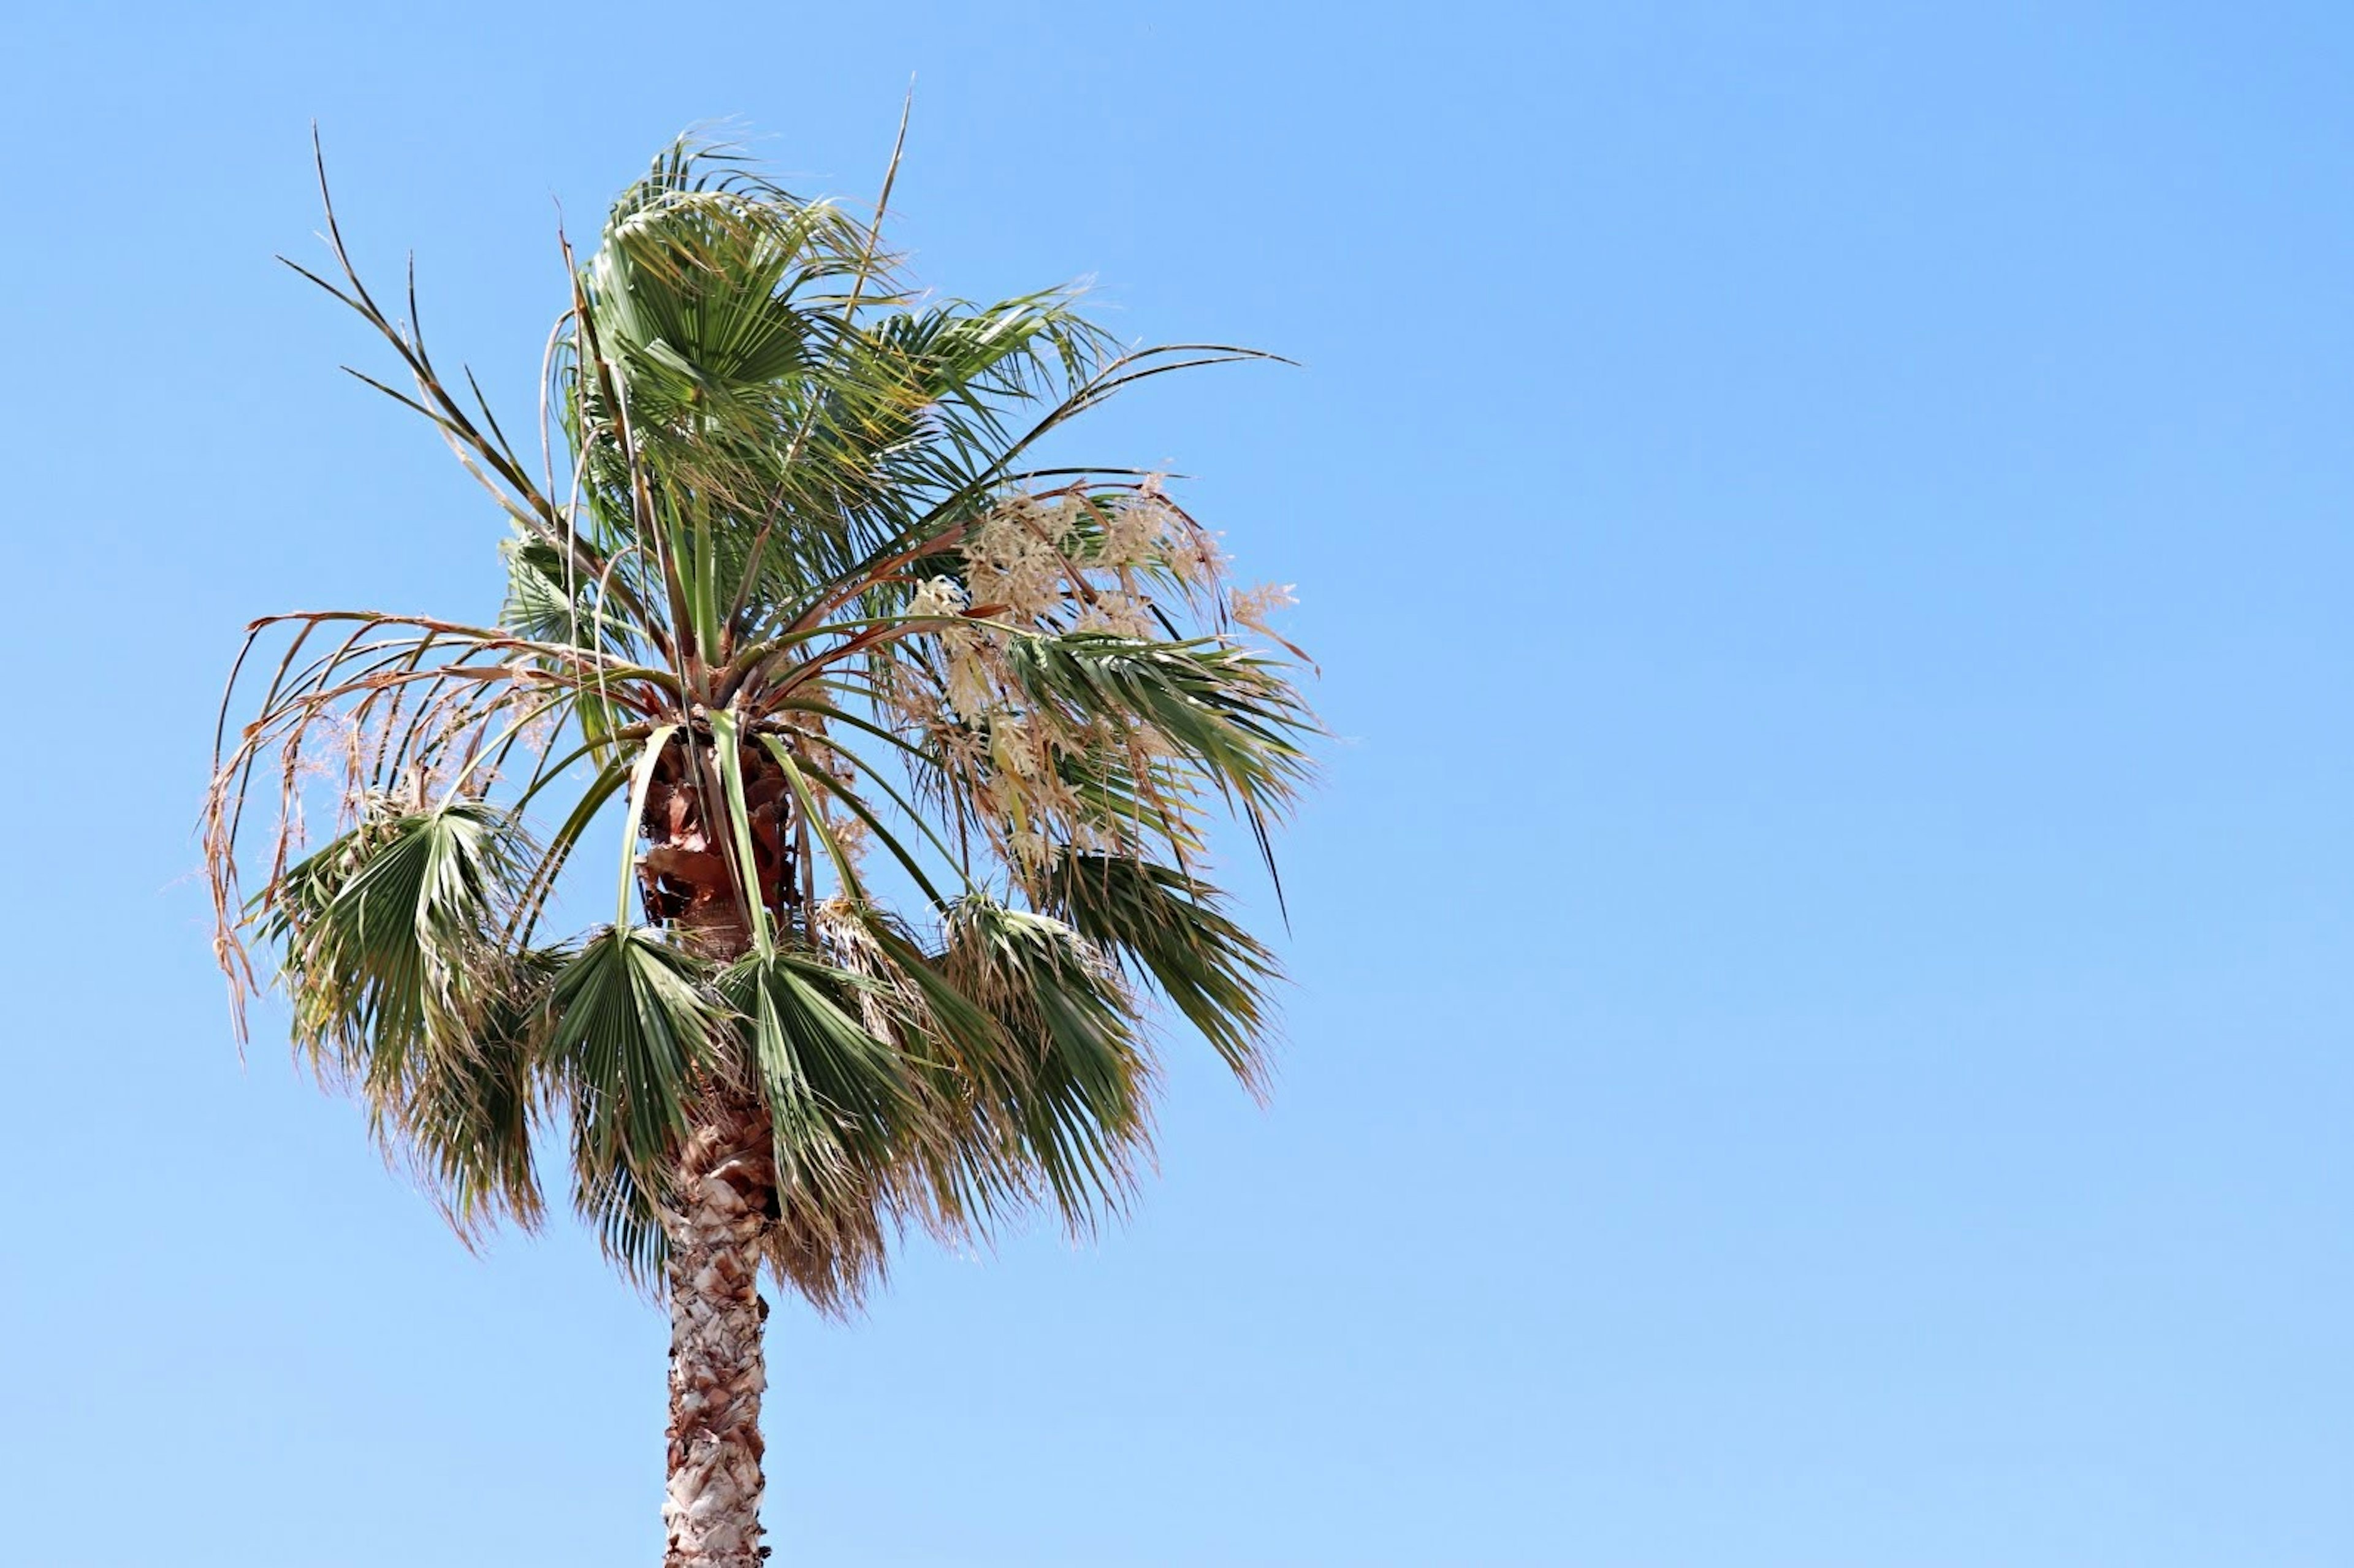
[711,1511]
[726,1180]
[687,874]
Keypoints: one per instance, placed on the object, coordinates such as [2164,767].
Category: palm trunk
[712,1507]
[725,1190]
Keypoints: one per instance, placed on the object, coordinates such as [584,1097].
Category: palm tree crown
[909,742]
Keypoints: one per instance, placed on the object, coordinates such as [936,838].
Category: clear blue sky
[1823,1012]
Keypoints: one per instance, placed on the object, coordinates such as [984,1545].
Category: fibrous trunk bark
[711,1511]
[724,1193]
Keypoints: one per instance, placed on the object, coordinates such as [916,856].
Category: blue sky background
[1823,1012]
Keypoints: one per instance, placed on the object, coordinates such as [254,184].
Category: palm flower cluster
[910,741]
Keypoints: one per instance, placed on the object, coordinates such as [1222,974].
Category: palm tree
[910,741]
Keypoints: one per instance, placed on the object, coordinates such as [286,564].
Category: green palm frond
[625,1213]
[470,1119]
[845,1107]
[1227,711]
[547,600]
[632,1023]
[1066,1093]
[1167,927]
[383,936]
